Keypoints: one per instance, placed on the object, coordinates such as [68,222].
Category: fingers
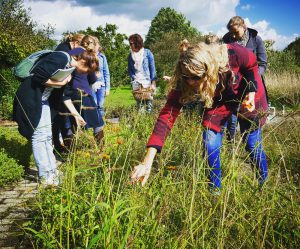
[145,179]
[141,174]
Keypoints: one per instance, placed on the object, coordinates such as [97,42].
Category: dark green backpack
[25,67]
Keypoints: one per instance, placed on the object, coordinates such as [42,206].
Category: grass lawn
[119,96]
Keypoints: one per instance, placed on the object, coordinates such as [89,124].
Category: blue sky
[276,20]
[283,16]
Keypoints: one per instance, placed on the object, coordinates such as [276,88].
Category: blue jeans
[147,103]
[99,99]
[232,126]
[42,144]
[212,145]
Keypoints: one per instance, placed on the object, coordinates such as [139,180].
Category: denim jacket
[148,66]
[104,71]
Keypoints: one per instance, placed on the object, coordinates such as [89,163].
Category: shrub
[10,170]
[15,146]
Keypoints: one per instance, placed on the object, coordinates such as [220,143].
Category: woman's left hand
[249,101]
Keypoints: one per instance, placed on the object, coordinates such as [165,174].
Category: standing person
[80,92]
[60,123]
[32,108]
[249,38]
[103,78]
[141,70]
[223,76]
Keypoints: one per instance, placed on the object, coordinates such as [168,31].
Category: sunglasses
[193,77]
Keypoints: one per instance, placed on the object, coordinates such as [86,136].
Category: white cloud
[206,15]
[268,33]
[246,7]
[65,16]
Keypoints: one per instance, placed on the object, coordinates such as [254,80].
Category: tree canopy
[115,49]
[20,35]
[168,20]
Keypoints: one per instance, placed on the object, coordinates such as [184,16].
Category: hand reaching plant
[142,171]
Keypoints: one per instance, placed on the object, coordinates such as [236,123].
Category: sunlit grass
[97,207]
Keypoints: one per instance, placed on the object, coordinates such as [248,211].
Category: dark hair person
[226,78]
[60,123]
[141,70]
[32,108]
[80,92]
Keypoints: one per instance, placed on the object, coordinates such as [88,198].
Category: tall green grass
[97,207]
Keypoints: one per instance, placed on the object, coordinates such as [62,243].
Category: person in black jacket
[32,106]
[249,38]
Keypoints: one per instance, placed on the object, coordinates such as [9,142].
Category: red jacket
[244,66]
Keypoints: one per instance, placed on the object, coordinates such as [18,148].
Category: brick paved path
[14,210]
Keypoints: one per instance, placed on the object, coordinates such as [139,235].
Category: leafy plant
[10,170]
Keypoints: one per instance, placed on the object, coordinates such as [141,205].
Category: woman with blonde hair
[103,88]
[226,79]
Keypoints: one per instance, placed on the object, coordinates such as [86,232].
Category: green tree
[166,53]
[294,47]
[19,37]
[115,49]
[19,34]
[168,20]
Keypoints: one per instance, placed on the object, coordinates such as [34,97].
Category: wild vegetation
[97,207]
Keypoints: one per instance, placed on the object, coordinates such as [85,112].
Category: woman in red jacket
[226,79]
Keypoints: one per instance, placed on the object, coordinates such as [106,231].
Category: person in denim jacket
[103,78]
[141,69]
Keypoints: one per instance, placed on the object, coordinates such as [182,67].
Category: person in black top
[32,106]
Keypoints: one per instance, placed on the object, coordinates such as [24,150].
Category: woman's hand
[106,92]
[79,120]
[58,84]
[249,101]
[166,78]
[142,171]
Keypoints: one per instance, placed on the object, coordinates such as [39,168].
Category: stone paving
[15,210]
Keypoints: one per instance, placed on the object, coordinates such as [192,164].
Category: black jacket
[28,100]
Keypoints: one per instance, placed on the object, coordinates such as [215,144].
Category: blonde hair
[210,63]
[74,37]
[89,43]
[98,43]
[211,38]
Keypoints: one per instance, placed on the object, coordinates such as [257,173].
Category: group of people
[226,78]
[46,109]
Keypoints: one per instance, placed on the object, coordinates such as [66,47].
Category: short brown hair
[91,60]
[137,40]
[236,20]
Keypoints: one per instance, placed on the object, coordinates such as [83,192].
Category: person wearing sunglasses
[226,79]
[249,38]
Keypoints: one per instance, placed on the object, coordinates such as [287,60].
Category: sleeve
[248,67]
[92,78]
[165,121]
[106,74]
[151,66]
[130,67]
[67,92]
[49,65]
[261,55]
